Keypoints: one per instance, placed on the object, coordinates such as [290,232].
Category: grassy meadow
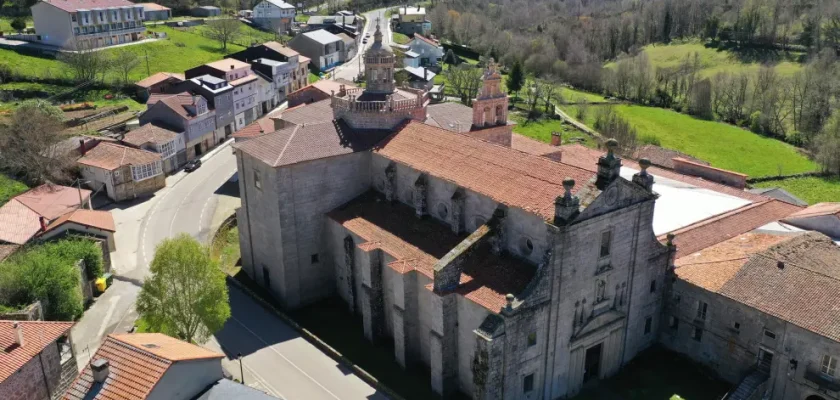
[10,188]
[723,145]
[541,130]
[810,189]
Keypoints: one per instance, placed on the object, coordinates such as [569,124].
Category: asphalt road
[350,69]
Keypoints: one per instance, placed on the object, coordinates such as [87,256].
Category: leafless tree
[533,94]
[85,63]
[465,80]
[30,143]
[225,30]
[123,62]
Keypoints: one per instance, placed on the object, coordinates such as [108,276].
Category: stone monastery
[513,269]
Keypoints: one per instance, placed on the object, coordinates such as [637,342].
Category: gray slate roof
[281,4]
[322,36]
[780,194]
[226,389]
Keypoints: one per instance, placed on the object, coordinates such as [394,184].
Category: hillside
[715,60]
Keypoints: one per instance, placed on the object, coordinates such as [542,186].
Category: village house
[420,78]
[238,75]
[274,15]
[295,69]
[219,96]
[410,20]
[123,172]
[514,269]
[157,139]
[161,82]
[323,48]
[156,12]
[85,24]
[36,359]
[155,366]
[206,11]
[425,52]
[187,113]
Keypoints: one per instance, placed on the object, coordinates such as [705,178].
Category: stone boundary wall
[729,178]
[780,177]
[32,312]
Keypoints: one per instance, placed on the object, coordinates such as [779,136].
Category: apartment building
[87,23]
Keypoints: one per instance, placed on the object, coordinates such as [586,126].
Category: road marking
[201,217]
[113,304]
[264,382]
[284,357]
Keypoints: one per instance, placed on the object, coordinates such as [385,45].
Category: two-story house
[167,143]
[323,48]
[275,15]
[427,52]
[87,24]
[279,73]
[187,113]
[297,66]
[241,78]
[219,95]
[412,20]
[123,172]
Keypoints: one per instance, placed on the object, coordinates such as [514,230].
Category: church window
[257,183]
[606,244]
[697,335]
[769,334]
[526,246]
[442,211]
[736,326]
[648,324]
[314,258]
[674,323]
[702,307]
[653,286]
[528,383]
[829,365]
[532,339]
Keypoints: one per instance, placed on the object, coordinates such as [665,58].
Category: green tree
[18,24]
[186,296]
[516,78]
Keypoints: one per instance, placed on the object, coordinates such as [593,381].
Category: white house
[169,144]
[426,52]
[274,14]
[88,23]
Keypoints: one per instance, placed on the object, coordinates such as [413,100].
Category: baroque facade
[509,268]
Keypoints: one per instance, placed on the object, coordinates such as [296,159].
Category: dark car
[192,165]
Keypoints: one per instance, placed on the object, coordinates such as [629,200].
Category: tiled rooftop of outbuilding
[417,244]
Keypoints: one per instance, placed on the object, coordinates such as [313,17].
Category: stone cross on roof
[377,36]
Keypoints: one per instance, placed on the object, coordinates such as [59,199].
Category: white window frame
[828,366]
[142,172]
[167,150]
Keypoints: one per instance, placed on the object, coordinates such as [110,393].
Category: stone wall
[130,189]
[499,134]
[729,178]
[38,379]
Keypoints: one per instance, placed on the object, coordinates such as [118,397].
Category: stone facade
[44,377]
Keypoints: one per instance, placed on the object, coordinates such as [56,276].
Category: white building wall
[53,24]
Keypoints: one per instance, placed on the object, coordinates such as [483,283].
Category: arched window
[488,116]
[500,117]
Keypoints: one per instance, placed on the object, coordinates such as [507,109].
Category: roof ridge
[288,141]
[713,218]
[133,347]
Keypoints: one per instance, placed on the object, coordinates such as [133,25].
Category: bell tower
[490,108]
[379,66]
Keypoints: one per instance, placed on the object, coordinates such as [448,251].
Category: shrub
[649,139]
[755,122]
[79,249]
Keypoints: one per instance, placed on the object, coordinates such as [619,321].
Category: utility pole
[81,201]
[148,70]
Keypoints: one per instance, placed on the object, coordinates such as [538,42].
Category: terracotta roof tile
[818,210]
[793,278]
[93,218]
[111,156]
[318,112]
[153,7]
[73,5]
[243,80]
[260,127]
[425,39]
[136,363]
[52,201]
[18,223]
[663,157]
[728,225]
[508,176]
[179,103]
[37,335]
[159,77]
[533,146]
[149,133]
[417,245]
[227,64]
[276,46]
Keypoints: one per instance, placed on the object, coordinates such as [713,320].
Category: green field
[399,38]
[723,145]
[716,60]
[570,95]
[6,24]
[542,128]
[811,189]
[10,188]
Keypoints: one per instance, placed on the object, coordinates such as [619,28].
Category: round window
[442,211]
[526,246]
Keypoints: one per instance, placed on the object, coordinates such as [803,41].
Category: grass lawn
[313,78]
[658,374]
[399,38]
[542,128]
[301,18]
[6,24]
[225,249]
[717,60]
[723,145]
[10,188]
[576,96]
[810,189]
[95,96]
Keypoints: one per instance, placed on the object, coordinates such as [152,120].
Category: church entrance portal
[592,363]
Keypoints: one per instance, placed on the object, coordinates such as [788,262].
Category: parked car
[364,41]
[192,165]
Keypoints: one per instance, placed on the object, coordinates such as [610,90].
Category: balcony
[107,32]
[823,381]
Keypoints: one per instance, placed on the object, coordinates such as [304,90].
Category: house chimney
[82,148]
[566,206]
[18,326]
[99,369]
[609,166]
[556,138]
[43,222]
[342,91]
[425,74]
[231,67]
[279,123]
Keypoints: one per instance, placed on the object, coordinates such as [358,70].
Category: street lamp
[241,373]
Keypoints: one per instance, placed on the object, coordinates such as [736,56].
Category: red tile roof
[227,64]
[111,156]
[793,278]
[149,133]
[52,201]
[260,127]
[153,7]
[425,39]
[179,103]
[454,117]
[159,77]
[136,363]
[818,210]
[314,113]
[508,176]
[18,223]
[96,219]
[243,80]
[418,244]
[533,146]
[37,335]
[7,250]
[725,226]
[73,5]
[276,46]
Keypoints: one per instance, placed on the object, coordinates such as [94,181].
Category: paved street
[350,70]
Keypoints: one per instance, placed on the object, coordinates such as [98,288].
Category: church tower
[490,108]
[379,66]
